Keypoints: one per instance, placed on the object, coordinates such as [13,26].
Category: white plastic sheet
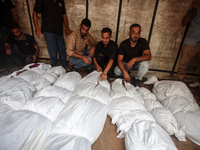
[82,116]
[162,115]
[59,70]
[176,97]
[151,137]
[49,107]
[68,80]
[135,123]
[54,91]
[90,86]
[191,122]
[40,83]
[66,142]
[21,127]
[165,89]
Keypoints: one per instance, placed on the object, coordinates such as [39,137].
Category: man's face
[17,32]
[84,30]
[106,38]
[134,34]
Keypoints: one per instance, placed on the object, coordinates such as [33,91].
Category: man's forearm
[141,58]
[7,46]
[65,22]
[35,20]
[14,15]
[36,50]
[95,62]
[121,66]
[109,65]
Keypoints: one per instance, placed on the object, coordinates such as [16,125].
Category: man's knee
[29,59]
[117,71]
[144,64]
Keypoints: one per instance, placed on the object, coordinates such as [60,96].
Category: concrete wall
[165,39]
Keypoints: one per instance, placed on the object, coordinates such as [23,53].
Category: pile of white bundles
[162,115]
[82,120]
[175,96]
[134,122]
[41,110]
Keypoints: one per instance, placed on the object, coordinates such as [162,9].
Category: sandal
[68,69]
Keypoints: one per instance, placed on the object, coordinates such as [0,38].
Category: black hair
[86,22]
[135,25]
[14,25]
[106,30]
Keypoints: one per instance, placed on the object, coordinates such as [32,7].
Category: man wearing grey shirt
[191,44]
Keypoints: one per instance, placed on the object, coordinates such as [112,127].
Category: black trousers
[103,61]
[3,57]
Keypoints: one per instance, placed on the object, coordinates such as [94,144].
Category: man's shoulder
[142,39]
[113,43]
[125,42]
[99,43]
[75,33]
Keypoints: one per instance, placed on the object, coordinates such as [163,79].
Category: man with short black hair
[105,57]
[134,54]
[53,15]
[77,44]
[21,47]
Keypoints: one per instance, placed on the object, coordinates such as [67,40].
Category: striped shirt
[78,44]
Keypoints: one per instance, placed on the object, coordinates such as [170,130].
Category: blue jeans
[78,63]
[56,42]
[141,68]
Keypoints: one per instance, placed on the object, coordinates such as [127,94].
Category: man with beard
[77,44]
[134,54]
[21,47]
[105,55]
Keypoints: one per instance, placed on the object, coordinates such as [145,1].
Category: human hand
[103,76]
[68,32]
[127,77]
[130,64]
[39,33]
[8,52]
[86,60]
[91,52]
[196,4]
[99,68]
[34,58]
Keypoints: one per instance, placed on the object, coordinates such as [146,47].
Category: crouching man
[134,54]
[105,56]
[21,47]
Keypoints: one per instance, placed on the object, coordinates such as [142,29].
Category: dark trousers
[103,61]
[19,58]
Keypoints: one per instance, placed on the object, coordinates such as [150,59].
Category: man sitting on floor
[77,44]
[21,47]
[105,56]
[134,54]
